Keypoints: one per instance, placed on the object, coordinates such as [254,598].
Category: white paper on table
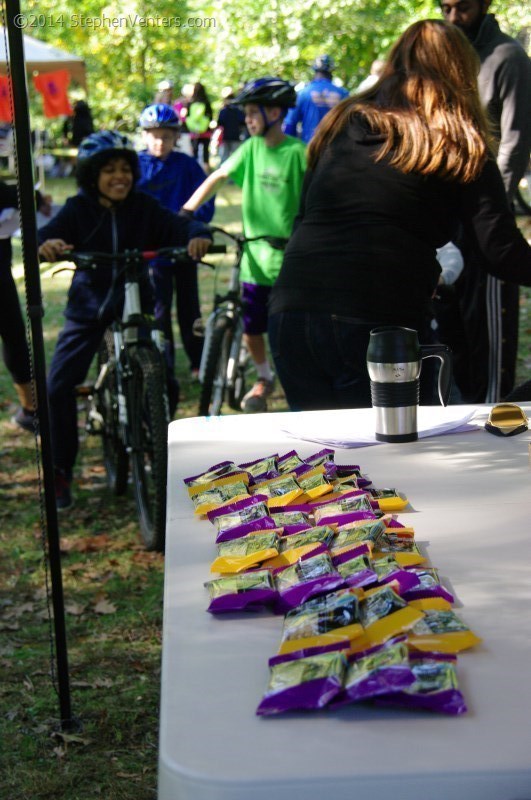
[356,429]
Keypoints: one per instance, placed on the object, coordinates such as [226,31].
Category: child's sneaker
[63,495]
[26,420]
[255,401]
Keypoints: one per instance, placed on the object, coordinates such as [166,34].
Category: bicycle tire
[238,385]
[115,456]
[149,419]
[215,357]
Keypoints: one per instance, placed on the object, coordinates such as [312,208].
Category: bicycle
[128,403]
[225,360]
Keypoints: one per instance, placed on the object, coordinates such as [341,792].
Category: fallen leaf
[75,609]
[105,607]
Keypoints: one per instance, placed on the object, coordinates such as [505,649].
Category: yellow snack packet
[384,614]
[235,477]
[238,555]
[322,621]
[280,491]
[441,631]
[219,496]
[314,484]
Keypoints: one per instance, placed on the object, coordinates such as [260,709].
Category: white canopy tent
[42,57]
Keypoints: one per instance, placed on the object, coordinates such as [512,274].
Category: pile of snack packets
[365,617]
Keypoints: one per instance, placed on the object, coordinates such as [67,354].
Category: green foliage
[130,46]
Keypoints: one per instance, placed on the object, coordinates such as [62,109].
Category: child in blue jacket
[172,177]
[107,215]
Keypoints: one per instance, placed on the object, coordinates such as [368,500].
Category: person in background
[315,100]
[391,172]
[79,125]
[171,177]
[479,320]
[198,121]
[269,166]
[231,123]
[12,328]
[107,215]
[376,70]
[164,93]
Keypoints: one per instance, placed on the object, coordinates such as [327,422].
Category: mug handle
[444,354]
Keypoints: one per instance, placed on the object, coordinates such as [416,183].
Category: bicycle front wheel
[215,359]
[106,402]
[149,419]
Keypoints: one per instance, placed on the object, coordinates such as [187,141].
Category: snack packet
[247,591]
[289,461]
[291,520]
[242,517]
[435,688]
[217,495]
[355,566]
[261,469]
[313,483]
[223,469]
[248,551]
[388,500]
[355,500]
[352,471]
[307,578]
[333,617]
[302,683]
[323,457]
[280,490]
[441,631]
[358,532]
[384,614]
[389,571]
[379,670]
[429,585]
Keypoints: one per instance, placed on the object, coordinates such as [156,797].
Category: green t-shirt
[271,180]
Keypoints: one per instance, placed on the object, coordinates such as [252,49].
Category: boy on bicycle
[107,215]
[171,177]
[269,166]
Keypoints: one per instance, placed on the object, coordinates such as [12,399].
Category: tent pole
[35,312]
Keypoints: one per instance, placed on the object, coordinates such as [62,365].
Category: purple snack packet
[221,470]
[261,524]
[234,508]
[290,461]
[348,516]
[248,591]
[261,469]
[389,571]
[429,586]
[379,670]
[310,576]
[435,687]
[355,566]
[302,683]
[324,456]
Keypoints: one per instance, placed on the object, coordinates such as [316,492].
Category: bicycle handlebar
[91,260]
[276,242]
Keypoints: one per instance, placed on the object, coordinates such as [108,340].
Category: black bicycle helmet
[267,91]
[98,149]
[324,64]
[159,115]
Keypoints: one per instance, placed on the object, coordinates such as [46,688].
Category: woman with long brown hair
[391,173]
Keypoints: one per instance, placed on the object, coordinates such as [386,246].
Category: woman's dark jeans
[321,360]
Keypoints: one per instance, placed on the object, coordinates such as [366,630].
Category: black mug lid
[391,344]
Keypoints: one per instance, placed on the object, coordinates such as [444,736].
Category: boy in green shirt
[269,166]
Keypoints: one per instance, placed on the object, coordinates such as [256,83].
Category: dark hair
[200,95]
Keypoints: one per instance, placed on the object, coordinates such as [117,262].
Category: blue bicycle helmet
[159,115]
[267,91]
[96,150]
[324,64]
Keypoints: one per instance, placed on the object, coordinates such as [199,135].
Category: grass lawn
[113,596]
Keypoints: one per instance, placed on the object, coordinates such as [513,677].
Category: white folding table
[470,496]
